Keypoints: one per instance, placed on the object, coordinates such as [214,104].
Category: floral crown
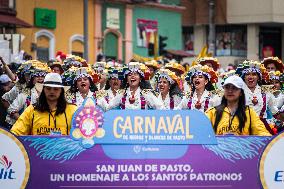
[214,61]
[152,63]
[173,65]
[201,70]
[274,75]
[74,73]
[228,74]
[252,66]
[168,75]
[34,68]
[278,63]
[76,61]
[138,67]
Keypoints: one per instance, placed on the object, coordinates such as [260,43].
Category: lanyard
[54,120]
[230,121]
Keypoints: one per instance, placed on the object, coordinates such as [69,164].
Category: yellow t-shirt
[33,122]
[257,126]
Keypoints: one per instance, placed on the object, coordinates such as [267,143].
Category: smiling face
[114,83]
[164,86]
[251,79]
[199,82]
[232,93]
[83,84]
[276,84]
[38,79]
[133,79]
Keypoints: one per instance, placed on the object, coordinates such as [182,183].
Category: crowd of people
[40,98]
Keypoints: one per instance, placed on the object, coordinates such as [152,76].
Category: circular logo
[14,162]
[271,167]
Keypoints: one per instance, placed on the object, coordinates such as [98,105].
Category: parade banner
[60,162]
[104,153]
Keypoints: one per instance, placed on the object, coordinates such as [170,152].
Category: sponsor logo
[6,172]
[14,162]
[138,148]
[271,167]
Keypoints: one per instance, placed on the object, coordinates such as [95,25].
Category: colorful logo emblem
[271,166]
[6,172]
[14,162]
[87,123]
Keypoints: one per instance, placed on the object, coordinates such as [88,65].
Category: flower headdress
[274,75]
[152,63]
[168,75]
[34,68]
[214,61]
[252,66]
[278,63]
[76,61]
[74,73]
[201,70]
[137,67]
[175,66]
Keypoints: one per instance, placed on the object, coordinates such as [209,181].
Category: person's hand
[15,115]
[2,61]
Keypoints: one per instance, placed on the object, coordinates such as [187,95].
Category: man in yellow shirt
[232,116]
[51,115]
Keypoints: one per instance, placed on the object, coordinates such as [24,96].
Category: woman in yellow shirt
[232,116]
[51,115]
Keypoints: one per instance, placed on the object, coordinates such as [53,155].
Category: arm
[153,101]
[7,70]
[16,106]
[24,123]
[112,104]
[10,96]
[183,104]
[271,103]
[257,126]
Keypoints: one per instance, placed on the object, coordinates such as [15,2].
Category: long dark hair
[30,83]
[107,87]
[240,112]
[175,90]
[42,105]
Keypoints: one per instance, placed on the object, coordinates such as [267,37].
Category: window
[188,39]
[231,41]
[51,42]
[42,54]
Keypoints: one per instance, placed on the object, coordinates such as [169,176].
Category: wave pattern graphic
[59,149]
[237,148]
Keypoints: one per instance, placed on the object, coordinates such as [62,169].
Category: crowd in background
[39,98]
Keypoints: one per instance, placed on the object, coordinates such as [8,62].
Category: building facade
[116,28]
[243,29]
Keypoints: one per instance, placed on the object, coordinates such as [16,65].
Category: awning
[13,20]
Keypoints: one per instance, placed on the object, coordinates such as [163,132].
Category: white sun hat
[52,80]
[236,81]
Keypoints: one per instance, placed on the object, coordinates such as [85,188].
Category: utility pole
[211,37]
[86,38]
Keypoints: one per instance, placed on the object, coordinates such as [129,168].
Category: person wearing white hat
[47,116]
[232,116]
[5,86]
